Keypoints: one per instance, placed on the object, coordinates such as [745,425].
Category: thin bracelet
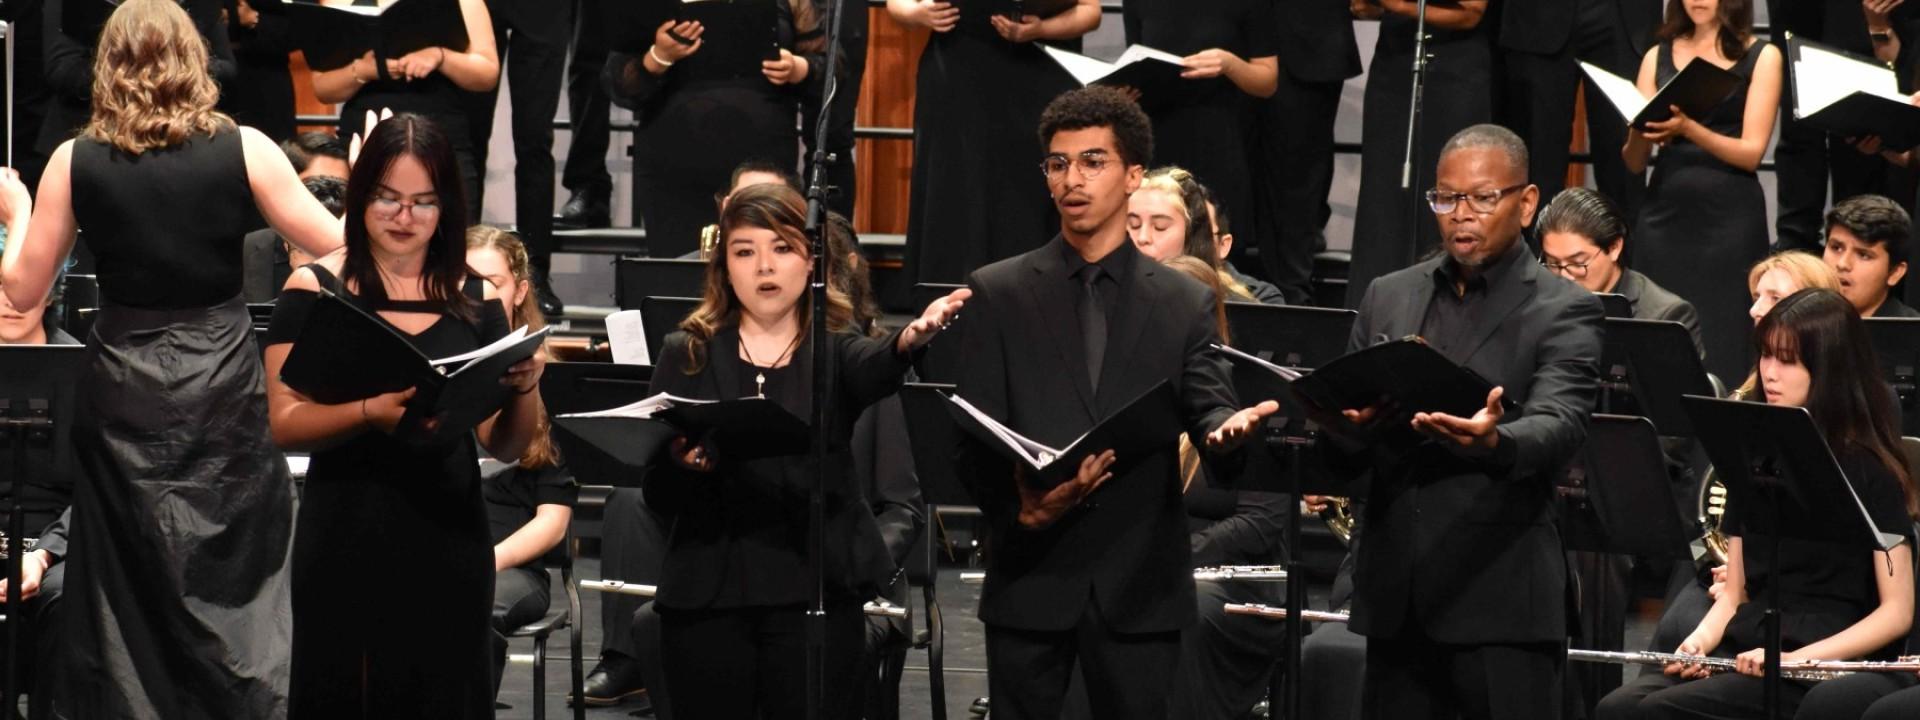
[652,53]
[354,73]
[364,420]
[536,386]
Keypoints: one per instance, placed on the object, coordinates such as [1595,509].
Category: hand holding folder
[1149,420]
[638,434]
[1395,393]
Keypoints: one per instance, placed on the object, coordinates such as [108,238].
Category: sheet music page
[642,409]
[1621,92]
[510,340]
[1822,78]
[1084,69]
[1035,453]
[1287,373]
[626,332]
[1137,53]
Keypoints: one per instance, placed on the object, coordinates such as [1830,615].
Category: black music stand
[38,386]
[933,437]
[1652,363]
[1298,337]
[940,361]
[1776,465]
[1896,341]
[635,278]
[569,387]
[1615,305]
[660,316]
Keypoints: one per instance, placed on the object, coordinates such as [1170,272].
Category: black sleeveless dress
[393,564]
[1703,213]
[177,576]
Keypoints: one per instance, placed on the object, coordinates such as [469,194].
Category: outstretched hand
[1039,509]
[933,320]
[1474,435]
[1236,429]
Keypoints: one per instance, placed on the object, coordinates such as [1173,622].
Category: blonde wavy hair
[1807,271]
[541,453]
[151,86]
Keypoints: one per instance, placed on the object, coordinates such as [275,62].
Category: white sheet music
[510,340]
[1088,70]
[643,409]
[1822,78]
[626,332]
[1622,93]
[1035,453]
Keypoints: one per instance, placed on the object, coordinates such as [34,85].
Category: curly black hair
[1101,106]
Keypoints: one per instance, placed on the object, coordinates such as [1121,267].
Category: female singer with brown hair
[177,578]
[1838,603]
[373,634]
[735,585]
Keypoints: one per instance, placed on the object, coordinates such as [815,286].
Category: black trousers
[748,662]
[1414,677]
[1226,661]
[1605,587]
[1128,675]
[585,171]
[630,551]
[40,643]
[1863,696]
[1656,696]
[1539,98]
[1299,137]
[531,36]
[1333,663]
[521,595]
[1687,605]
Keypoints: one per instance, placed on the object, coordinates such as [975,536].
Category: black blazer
[1652,302]
[1468,548]
[1023,365]
[1316,40]
[737,537]
[1544,27]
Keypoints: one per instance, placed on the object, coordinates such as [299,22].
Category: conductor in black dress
[1097,570]
[1460,587]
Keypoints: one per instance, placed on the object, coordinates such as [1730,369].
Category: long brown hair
[151,88]
[445,271]
[1735,32]
[1846,395]
[541,453]
[769,207]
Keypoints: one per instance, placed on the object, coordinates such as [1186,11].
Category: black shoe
[550,304]
[583,211]
[615,679]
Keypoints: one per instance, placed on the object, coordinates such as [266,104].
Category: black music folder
[1405,376]
[1696,89]
[344,354]
[1017,8]
[1154,73]
[1850,96]
[334,35]
[637,434]
[1143,422]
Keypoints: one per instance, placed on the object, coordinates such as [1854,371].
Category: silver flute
[1240,573]
[877,608]
[1280,613]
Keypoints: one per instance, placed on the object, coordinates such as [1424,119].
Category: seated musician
[1263,291]
[1837,603]
[1582,236]
[1867,248]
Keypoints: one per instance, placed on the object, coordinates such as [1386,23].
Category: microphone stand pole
[823,370]
[1414,109]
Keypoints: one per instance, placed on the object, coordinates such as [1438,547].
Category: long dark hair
[769,207]
[1847,396]
[1736,25]
[446,263]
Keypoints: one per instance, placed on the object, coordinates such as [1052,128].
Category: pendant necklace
[759,374]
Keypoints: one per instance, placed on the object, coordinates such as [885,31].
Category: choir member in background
[1317,56]
[261,92]
[1393,227]
[180,479]
[379,480]
[589,187]
[1166,219]
[1704,207]
[1583,238]
[1866,246]
[429,81]
[69,65]
[314,153]
[1090,572]
[982,81]
[699,121]
[1261,290]
[1229,50]
[1837,602]
[535,34]
[735,586]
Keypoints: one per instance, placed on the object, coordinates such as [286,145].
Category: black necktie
[1093,322]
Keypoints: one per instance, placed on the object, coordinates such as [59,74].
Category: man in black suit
[1317,55]
[1542,43]
[1460,585]
[1057,339]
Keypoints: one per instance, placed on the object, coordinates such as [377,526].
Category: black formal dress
[977,192]
[1317,55]
[1462,575]
[1392,226]
[1109,584]
[1824,589]
[1704,221]
[735,583]
[1209,130]
[183,525]
[373,635]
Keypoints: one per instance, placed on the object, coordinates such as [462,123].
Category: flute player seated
[1837,603]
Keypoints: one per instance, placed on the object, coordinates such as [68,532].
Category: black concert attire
[635,540]
[735,585]
[1332,658]
[1866,696]
[1652,302]
[851,39]
[1396,226]
[522,594]
[1208,129]
[531,38]
[585,171]
[1264,292]
[267,266]
[1825,588]
[1460,586]
[260,95]
[883,462]
[1703,213]
[1317,56]
[1108,584]
[439,100]
[702,119]
[977,192]
[182,527]
[1893,308]
[1542,44]
[418,648]
[42,675]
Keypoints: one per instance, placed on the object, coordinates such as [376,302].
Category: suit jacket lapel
[1503,299]
[1143,303]
[1053,294]
[1413,307]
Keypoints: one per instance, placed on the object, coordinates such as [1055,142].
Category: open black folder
[1696,89]
[344,354]
[334,35]
[1154,73]
[637,434]
[1144,422]
[1406,376]
[1850,96]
